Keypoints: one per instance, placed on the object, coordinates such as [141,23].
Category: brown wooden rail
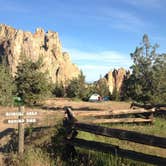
[115,150]
[72,126]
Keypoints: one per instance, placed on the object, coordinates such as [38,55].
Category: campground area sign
[20,117]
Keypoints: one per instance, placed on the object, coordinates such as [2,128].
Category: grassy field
[46,148]
[158,129]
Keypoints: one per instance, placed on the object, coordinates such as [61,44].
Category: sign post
[21,120]
[21,132]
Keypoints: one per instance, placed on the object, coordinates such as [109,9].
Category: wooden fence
[139,115]
[72,126]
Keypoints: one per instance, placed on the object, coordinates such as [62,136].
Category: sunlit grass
[158,129]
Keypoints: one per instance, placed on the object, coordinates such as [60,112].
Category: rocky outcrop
[15,43]
[115,79]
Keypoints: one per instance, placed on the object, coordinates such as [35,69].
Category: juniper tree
[32,84]
[147,81]
[6,85]
[77,87]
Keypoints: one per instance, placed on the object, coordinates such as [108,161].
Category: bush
[6,86]
[115,95]
[58,90]
[77,87]
[101,87]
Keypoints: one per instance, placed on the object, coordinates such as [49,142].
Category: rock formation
[115,79]
[14,43]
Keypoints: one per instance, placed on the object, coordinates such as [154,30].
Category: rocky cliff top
[115,79]
[14,43]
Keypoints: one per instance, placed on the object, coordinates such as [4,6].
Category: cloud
[100,57]
[94,64]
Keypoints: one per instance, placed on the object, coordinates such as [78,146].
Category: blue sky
[98,34]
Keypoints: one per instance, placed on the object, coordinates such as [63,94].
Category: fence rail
[140,115]
[115,150]
[114,112]
[72,126]
[122,134]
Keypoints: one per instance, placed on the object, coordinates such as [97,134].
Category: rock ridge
[15,43]
[115,79]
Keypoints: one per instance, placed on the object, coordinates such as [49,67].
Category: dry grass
[107,105]
[52,110]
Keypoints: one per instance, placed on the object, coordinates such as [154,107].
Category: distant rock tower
[115,79]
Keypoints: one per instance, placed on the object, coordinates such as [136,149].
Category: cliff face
[14,43]
[115,79]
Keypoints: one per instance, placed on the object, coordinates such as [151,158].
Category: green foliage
[115,95]
[59,90]
[101,87]
[6,86]
[147,82]
[77,87]
[32,84]
[159,80]
[32,156]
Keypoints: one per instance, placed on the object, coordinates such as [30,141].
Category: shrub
[77,87]
[58,90]
[6,86]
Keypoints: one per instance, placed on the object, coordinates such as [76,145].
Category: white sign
[14,114]
[21,113]
[14,121]
[31,113]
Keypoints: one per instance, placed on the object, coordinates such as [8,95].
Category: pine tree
[146,83]
[6,86]
[32,84]
[77,88]
[58,90]
[115,95]
[159,80]
[101,87]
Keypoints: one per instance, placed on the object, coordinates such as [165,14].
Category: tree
[77,87]
[115,95]
[101,87]
[6,86]
[147,82]
[159,79]
[32,84]
[59,90]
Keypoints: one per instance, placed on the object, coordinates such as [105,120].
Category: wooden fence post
[70,132]
[21,132]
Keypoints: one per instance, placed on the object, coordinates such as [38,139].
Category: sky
[98,34]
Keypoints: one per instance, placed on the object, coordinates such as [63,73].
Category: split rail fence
[139,115]
[72,126]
